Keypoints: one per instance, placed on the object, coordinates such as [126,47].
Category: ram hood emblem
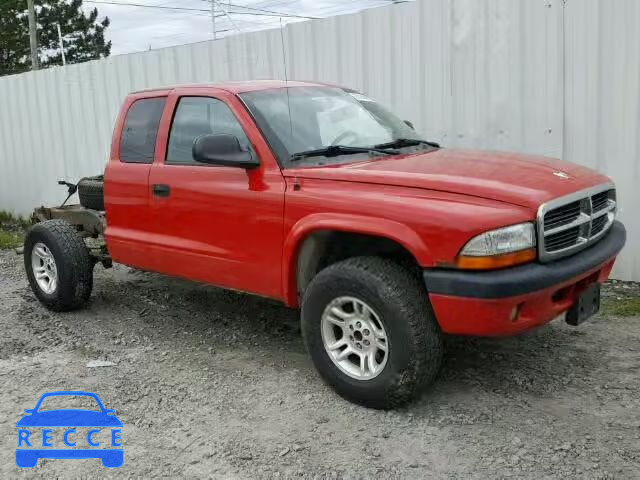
[561,174]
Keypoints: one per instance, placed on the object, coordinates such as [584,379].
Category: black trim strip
[526,278]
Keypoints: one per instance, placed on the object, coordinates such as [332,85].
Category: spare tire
[91,192]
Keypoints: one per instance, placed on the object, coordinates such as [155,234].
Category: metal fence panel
[551,77]
[602,105]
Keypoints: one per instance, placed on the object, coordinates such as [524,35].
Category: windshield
[300,119]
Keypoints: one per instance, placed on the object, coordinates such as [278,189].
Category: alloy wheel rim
[354,338]
[44,268]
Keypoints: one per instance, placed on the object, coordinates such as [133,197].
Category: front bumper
[512,300]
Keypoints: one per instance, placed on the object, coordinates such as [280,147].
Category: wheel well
[325,247]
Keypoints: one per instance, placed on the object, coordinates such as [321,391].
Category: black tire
[72,264]
[415,346]
[91,192]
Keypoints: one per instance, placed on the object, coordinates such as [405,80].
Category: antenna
[286,77]
[284,53]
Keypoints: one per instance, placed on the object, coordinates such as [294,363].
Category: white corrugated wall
[602,104]
[560,78]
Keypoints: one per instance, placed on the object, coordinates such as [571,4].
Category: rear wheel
[371,332]
[58,265]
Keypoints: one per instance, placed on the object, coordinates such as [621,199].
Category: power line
[264,10]
[261,9]
[332,7]
[257,14]
[198,10]
[142,5]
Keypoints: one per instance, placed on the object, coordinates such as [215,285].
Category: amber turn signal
[495,261]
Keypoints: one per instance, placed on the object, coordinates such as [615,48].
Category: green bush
[12,229]
[10,239]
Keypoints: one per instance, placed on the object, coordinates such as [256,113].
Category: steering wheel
[340,138]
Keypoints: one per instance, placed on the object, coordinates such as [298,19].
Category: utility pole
[226,14]
[64,60]
[33,40]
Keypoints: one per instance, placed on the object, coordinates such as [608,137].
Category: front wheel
[58,265]
[371,333]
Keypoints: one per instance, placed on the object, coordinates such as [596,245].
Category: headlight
[499,248]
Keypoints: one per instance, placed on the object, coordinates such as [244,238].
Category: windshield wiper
[406,142]
[335,150]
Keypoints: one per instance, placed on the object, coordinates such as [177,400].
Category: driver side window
[196,116]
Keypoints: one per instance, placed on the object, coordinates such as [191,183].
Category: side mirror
[222,150]
[410,124]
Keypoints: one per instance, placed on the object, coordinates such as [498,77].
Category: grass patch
[9,220]
[12,230]
[623,307]
[10,239]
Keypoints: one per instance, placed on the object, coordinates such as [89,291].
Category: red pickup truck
[318,196]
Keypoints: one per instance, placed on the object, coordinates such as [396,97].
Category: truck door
[217,224]
[127,178]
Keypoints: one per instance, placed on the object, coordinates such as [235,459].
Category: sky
[137,28]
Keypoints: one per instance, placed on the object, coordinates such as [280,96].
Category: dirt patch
[214,384]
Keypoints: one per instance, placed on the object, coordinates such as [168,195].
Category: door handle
[161,190]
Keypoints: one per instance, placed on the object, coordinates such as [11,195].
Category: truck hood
[518,179]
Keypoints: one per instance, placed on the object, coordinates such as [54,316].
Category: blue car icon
[69,418]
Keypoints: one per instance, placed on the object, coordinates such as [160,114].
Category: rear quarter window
[138,140]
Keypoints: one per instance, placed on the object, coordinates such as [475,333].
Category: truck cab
[172,214]
[317,196]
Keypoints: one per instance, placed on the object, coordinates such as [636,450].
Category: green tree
[83,34]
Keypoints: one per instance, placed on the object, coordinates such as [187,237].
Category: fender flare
[380,227]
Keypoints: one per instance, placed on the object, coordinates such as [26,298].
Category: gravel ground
[213,384]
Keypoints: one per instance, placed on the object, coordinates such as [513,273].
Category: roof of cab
[239,87]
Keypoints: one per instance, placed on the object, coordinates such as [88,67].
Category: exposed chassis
[89,223]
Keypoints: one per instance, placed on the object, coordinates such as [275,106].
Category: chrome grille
[599,201]
[598,224]
[569,224]
[562,239]
[562,215]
